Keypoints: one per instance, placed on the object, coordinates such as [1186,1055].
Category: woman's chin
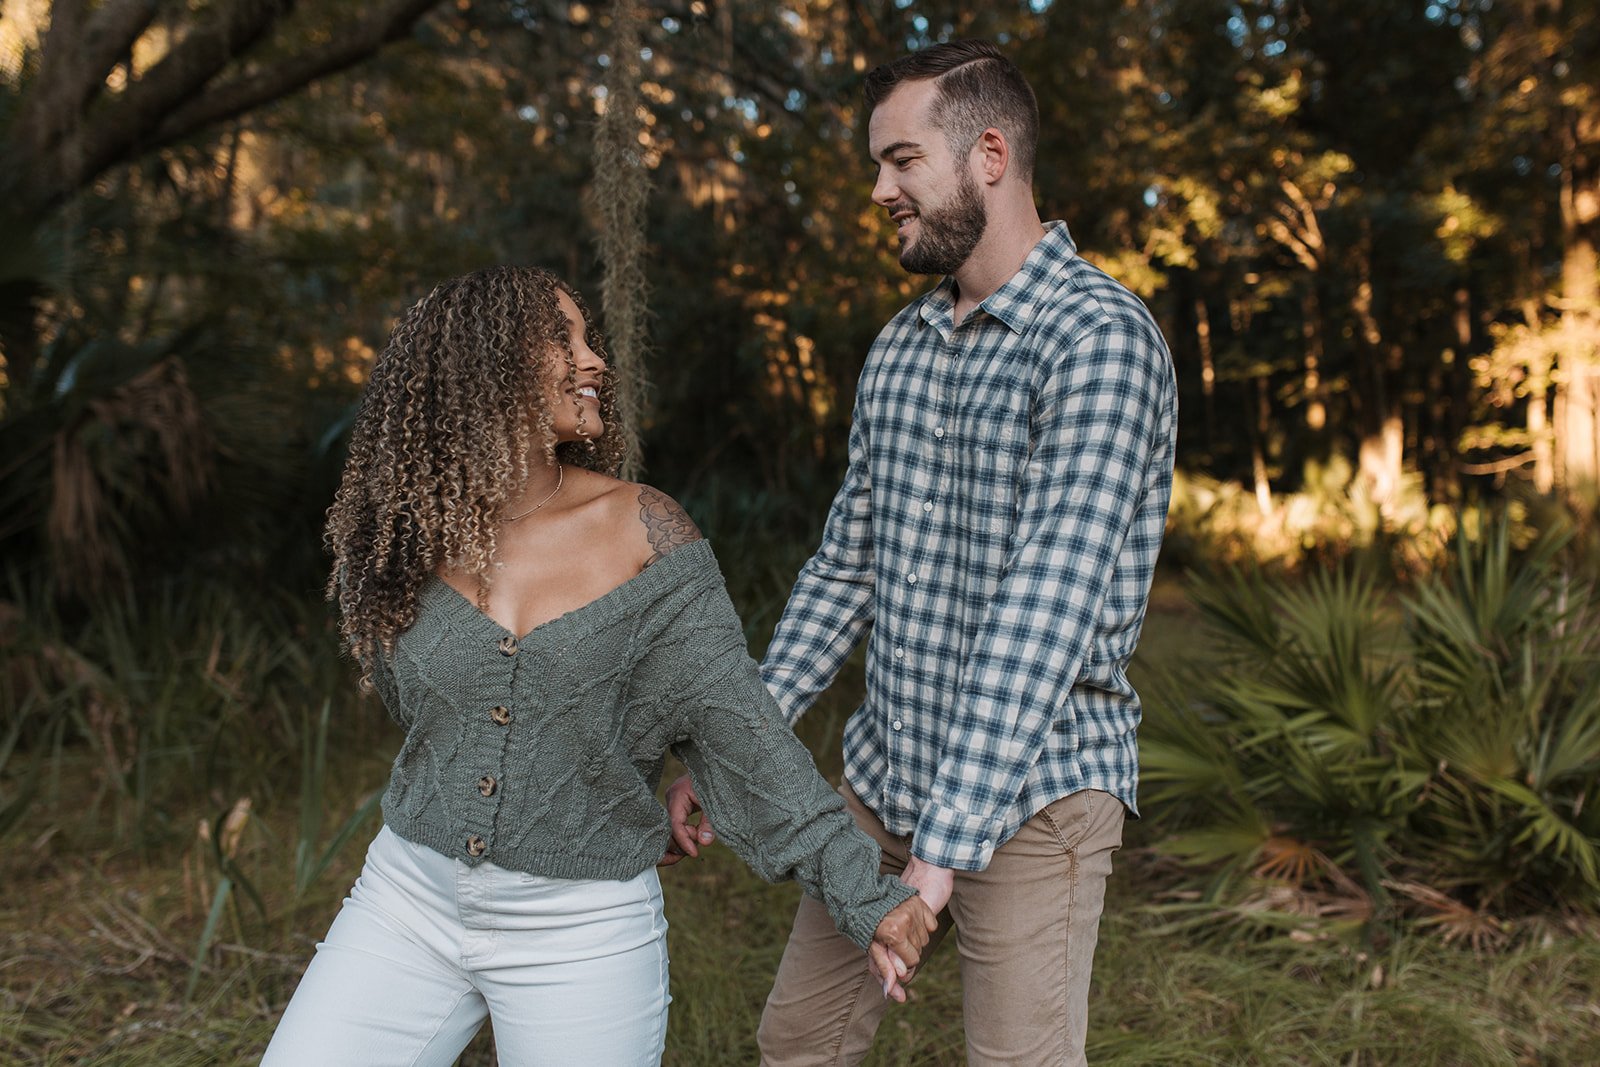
[591,432]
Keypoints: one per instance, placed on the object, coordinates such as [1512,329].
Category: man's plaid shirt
[998,527]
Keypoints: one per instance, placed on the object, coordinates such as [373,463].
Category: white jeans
[425,948]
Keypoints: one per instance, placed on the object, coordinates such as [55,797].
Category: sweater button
[501,716]
[487,785]
[508,646]
[476,846]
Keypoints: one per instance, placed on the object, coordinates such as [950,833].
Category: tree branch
[76,57]
[176,98]
[1499,466]
[388,22]
[120,129]
[1285,236]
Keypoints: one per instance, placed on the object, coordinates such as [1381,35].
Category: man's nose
[886,190]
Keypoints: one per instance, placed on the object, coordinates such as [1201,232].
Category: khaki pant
[1026,925]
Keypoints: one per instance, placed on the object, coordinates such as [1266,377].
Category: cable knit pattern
[543,752]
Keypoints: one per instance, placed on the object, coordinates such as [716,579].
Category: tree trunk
[1577,425]
[1544,460]
[1258,449]
[1450,402]
[1380,458]
[1311,332]
[1208,368]
[69,128]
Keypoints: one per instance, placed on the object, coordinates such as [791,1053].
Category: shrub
[1341,750]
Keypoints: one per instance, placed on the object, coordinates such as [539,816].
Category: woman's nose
[588,359]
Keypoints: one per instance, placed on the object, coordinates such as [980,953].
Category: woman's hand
[687,837]
[897,945]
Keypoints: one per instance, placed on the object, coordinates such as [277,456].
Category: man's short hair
[978,88]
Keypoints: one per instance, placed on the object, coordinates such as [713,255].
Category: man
[1010,467]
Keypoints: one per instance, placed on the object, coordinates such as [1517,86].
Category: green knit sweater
[542,753]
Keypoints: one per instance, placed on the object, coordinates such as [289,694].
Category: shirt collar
[1013,302]
[938,307]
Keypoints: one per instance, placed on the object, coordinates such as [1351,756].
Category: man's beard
[949,232]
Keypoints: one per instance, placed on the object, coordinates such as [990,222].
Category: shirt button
[487,785]
[501,716]
[938,431]
[898,725]
[927,505]
[508,646]
[899,653]
[476,846]
[984,843]
[911,579]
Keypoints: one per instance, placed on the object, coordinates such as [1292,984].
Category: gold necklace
[560,471]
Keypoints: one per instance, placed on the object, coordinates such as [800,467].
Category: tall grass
[185,693]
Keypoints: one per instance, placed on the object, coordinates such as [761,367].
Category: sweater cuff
[862,922]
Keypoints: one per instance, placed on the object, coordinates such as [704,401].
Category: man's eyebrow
[896,147]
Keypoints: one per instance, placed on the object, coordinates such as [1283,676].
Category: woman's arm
[759,784]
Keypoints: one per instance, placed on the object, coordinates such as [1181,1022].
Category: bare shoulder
[666,526]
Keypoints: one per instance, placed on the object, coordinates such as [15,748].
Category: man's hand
[935,884]
[897,945]
[687,837]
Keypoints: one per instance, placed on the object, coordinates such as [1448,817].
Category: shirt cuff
[946,837]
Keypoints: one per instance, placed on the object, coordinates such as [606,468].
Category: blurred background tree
[1369,232]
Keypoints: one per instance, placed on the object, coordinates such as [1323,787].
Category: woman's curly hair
[456,402]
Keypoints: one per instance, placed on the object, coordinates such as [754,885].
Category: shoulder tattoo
[666,524]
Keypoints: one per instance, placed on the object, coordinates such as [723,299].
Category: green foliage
[1348,748]
[157,700]
[1507,690]
[311,858]
[1338,218]
[1331,518]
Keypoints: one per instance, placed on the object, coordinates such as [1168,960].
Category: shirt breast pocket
[980,536]
[994,474]
[995,431]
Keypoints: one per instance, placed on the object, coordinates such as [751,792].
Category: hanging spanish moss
[622,188]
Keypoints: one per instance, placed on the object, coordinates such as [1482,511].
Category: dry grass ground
[98,944]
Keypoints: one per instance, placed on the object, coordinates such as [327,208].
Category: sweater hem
[565,865]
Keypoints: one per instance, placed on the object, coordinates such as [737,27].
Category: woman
[544,632]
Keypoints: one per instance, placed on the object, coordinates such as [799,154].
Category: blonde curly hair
[441,444]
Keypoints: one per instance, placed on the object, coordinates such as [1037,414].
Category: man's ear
[993,155]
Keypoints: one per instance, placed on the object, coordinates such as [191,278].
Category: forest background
[1368,229]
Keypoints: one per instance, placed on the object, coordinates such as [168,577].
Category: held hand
[687,837]
[935,884]
[897,945]
[889,970]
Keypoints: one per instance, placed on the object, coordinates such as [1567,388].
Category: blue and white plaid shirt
[998,526]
